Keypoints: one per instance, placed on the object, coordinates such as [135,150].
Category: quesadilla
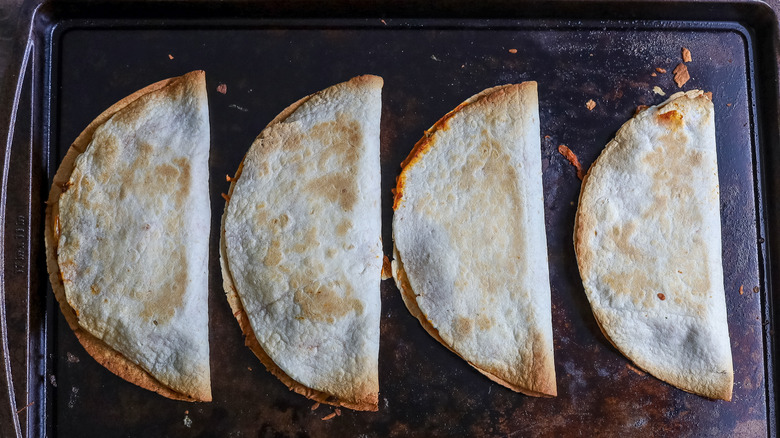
[470,244]
[127,229]
[648,244]
[301,252]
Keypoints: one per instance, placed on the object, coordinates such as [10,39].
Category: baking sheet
[86,61]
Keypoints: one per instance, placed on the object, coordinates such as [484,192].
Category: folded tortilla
[648,244]
[300,251]
[127,227]
[470,243]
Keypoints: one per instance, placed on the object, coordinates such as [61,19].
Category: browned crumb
[686,55]
[653,74]
[635,369]
[547,137]
[660,70]
[756,289]
[222,88]
[329,416]
[681,75]
[337,411]
[228,178]
[512,50]
[383,21]
[315,406]
[741,289]
[186,412]
[170,56]
[590,105]
[640,108]
[569,155]
[728,104]
[661,297]
[387,271]
[709,95]
[225,197]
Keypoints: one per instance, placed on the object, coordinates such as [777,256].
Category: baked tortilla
[470,243]
[127,226]
[300,251]
[648,244]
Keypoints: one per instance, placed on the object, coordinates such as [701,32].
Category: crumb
[660,70]
[681,75]
[635,369]
[222,88]
[170,56]
[709,95]
[338,411]
[383,21]
[728,104]
[741,289]
[186,412]
[329,416]
[658,90]
[661,297]
[756,289]
[225,197]
[228,178]
[187,421]
[249,368]
[590,105]
[547,137]
[512,51]
[640,108]
[686,55]
[435,58]
[569,155]
[53,380]
[315,406]
[653,74]
[72,358]
[387,271]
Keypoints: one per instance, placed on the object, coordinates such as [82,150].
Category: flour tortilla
[300,251]
[647,228]
[127,226]
[470,243]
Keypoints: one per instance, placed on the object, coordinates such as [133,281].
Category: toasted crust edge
[367,402]
[547,383]
[579,242]
[99,350]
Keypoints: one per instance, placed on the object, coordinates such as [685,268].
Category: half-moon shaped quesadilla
[127,228]
[648,244]
[301,252]
[470,243]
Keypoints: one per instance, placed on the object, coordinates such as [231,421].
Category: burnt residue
[425,390]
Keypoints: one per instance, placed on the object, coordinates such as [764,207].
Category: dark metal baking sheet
[83,57]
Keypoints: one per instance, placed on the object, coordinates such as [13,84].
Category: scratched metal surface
[428,69]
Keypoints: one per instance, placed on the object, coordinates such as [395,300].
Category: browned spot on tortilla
[708,94]
[161,304]
[94,289]
[661,296]
[336,187]
[569,155]
[326,302]
[484,322]
[343,227]
[274,255]
[167,172]
[672,116]
[463,326]
[331,252]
